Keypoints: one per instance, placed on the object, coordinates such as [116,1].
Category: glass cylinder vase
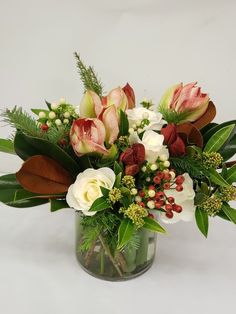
[104,261]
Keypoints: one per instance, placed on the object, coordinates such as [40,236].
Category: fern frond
[89,77]
[22,121]
[193,167]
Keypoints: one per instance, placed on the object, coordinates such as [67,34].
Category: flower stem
[108,252]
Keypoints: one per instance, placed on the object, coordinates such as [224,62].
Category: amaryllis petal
[170,134]
[118,98]
[91,105]
[129,92]
[110,120]
[177,148]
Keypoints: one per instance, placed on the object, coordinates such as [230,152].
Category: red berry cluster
[44,127]
[163,181]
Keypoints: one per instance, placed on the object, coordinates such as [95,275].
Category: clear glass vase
[103,262]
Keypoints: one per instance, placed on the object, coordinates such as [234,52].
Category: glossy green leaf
[222,215]
[9,182]
[231,175]
[199,198]
[124,124]
[202,221]
[152,225]
[58,204]
[125,232]
[118,180]
[7,146]
[100,204]
[229,149]
[28,203]
[216,178]
[105,192]
[117,168]
[218,139]
[27,146]
[208,127]
[212,130]
[229,212]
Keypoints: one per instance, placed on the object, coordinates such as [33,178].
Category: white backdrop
[152,44]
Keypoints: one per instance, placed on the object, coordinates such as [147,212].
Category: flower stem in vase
[142,252]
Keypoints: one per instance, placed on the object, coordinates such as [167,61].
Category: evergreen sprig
[192,166]
[89,77]
[22,121]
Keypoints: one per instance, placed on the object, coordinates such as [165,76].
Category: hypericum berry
[169,214]
[151,216]
[54,106]
[172,175]
[179,180]
[177,208]
[158,205]
[153,167]
[171,199]
[160,174]
[167,176]
[157,180]
[44,127]
[166,186]
[166,164]
[62,142]
[163,158]
[160,194]
[52,115]
[168,207]
[151,193]
[141,204]
[179,188]
[138,199]
[151,187]
[141,193]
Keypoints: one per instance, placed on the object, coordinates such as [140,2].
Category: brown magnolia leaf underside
[43,175]
[190,134]
[207,117]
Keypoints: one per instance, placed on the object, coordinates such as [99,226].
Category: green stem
[108,252]
[102,261]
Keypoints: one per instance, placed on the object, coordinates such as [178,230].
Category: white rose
[153,143]
[184,199]
[86,189]
[137,114]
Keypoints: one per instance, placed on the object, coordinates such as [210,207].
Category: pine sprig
[89,77]
[55,134]
[22,121]
[193,167]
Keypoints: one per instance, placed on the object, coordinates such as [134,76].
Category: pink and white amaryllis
[186,101]
[88,136]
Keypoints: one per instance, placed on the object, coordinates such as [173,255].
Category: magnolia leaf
[7,146]
[43,175]
[125,232]
[230,176]
[218,139]
[202,221]
[216,178]
[100,204]
[152,225]
[193,135]
[9,182]
[229,212]
[212,130]
[117,168]
[229,149]
[207,117]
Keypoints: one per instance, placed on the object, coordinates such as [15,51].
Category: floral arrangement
[126,168]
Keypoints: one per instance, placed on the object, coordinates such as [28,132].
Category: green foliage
[202,221]
[218,139]
[57,204]
[173,116]
[99,204]
[229,149]
[209,130]
[216,178]
[199,198]
[118,168]
[153,225]
[7,146]
[124,124]
[187,164]
[125,233]
[89,77]
[230,175]
[229,212]
[22,121]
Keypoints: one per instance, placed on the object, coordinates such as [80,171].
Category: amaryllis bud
[110,119]
[184,102]
[118,98]
[133,157]
[90,106]
[131,170]
[170,133]
[88,136]
[129,92]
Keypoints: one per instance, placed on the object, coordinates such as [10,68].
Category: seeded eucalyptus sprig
[89,77]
